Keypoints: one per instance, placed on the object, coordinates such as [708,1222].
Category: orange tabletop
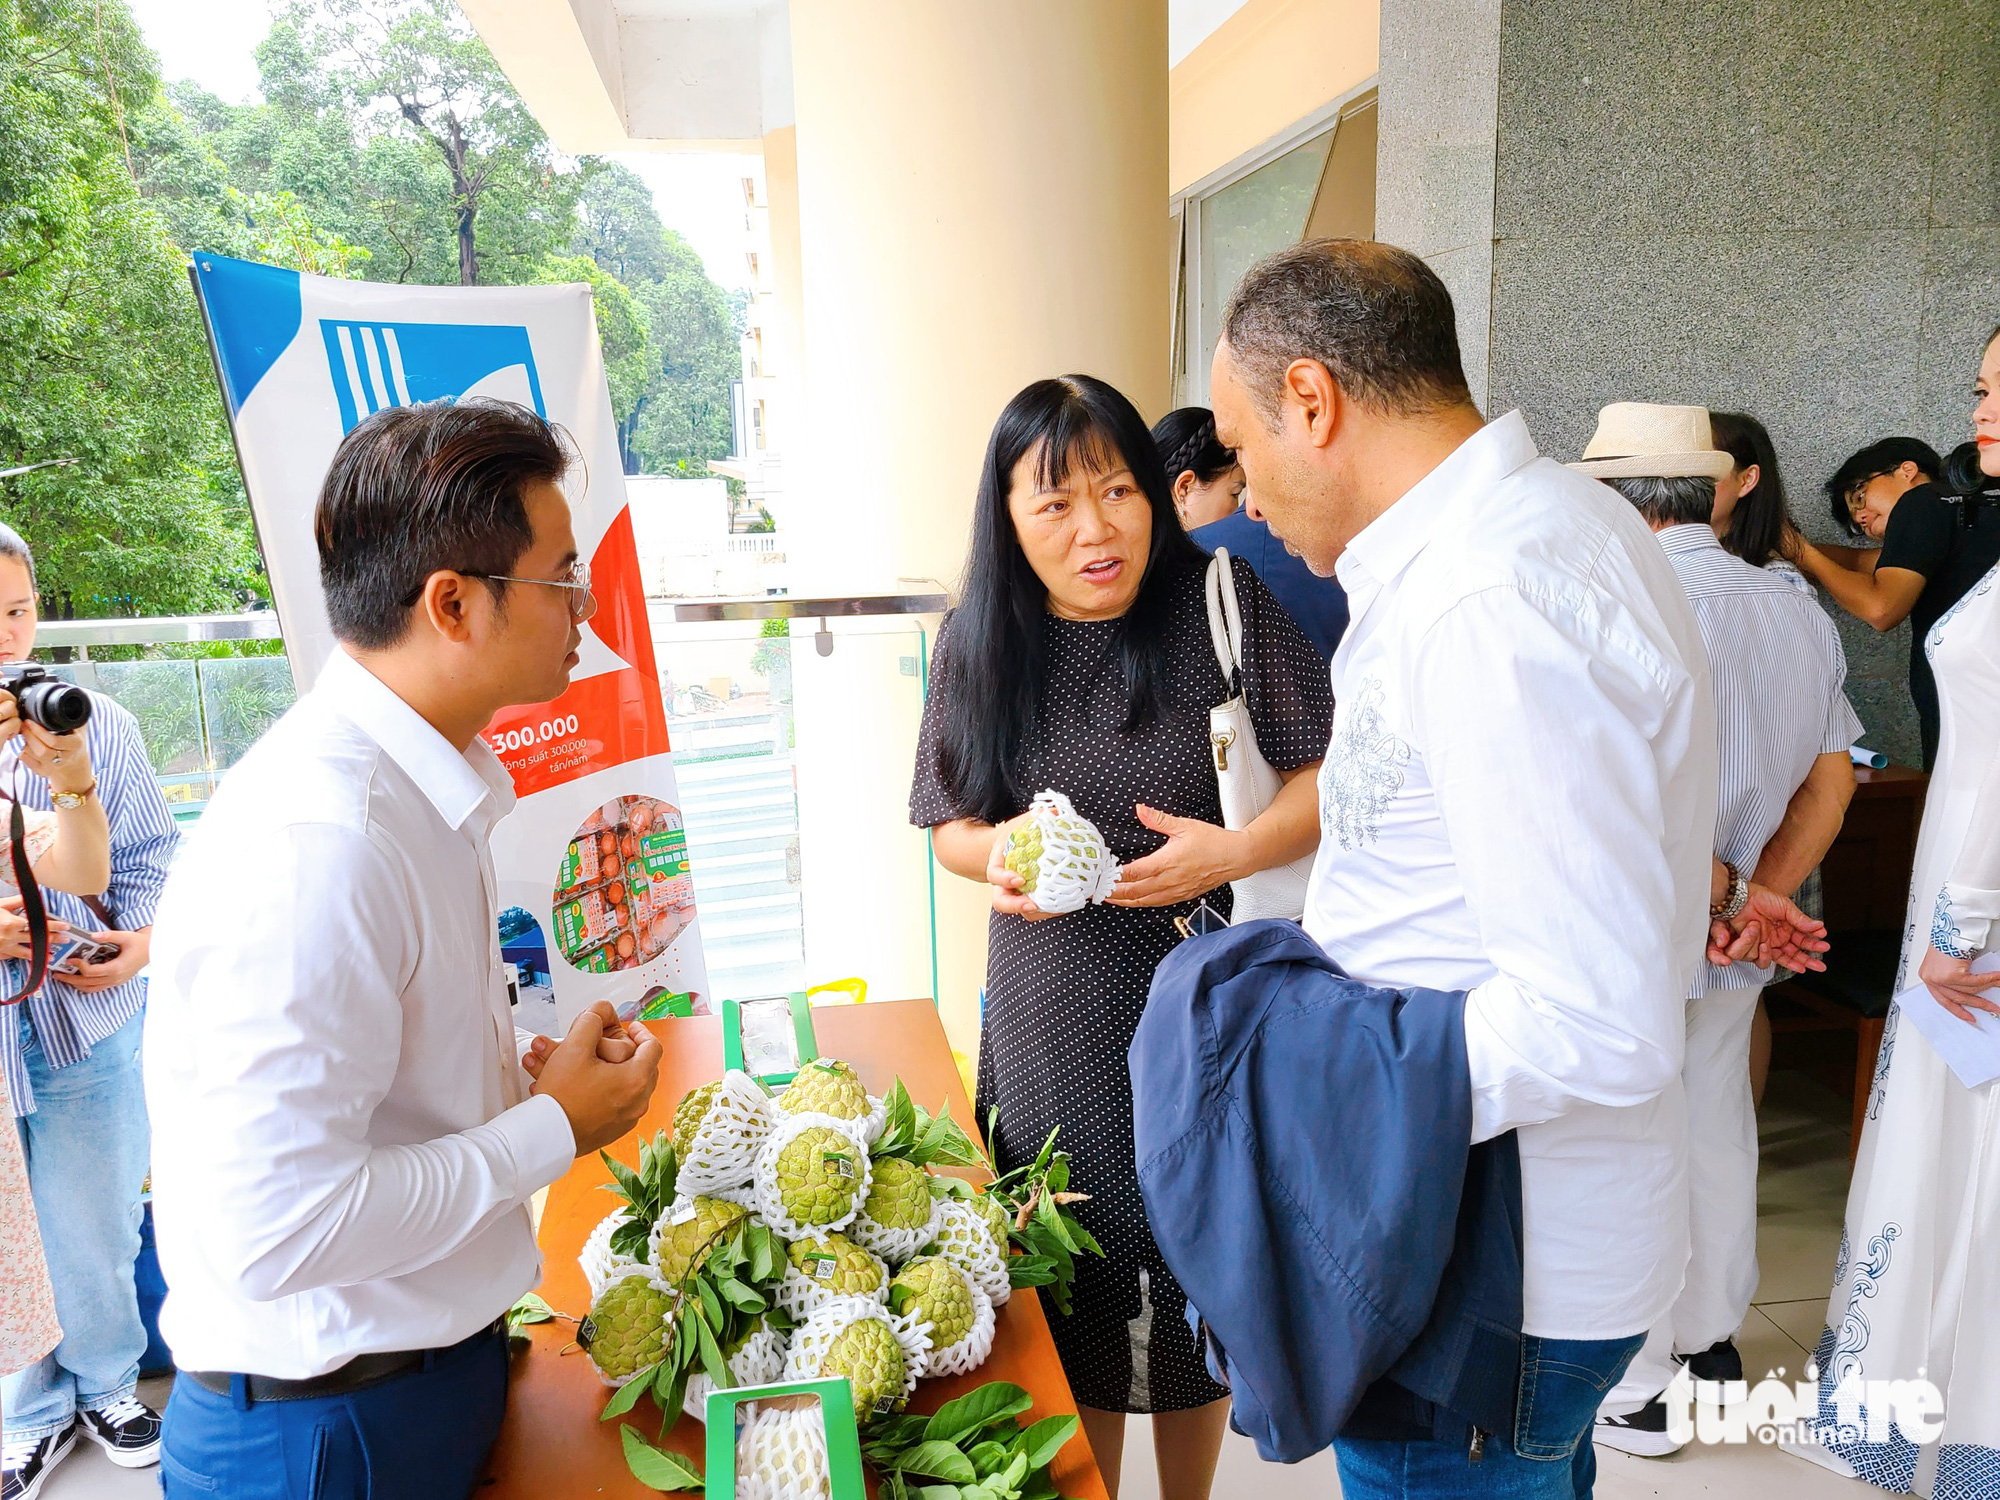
[553,1444]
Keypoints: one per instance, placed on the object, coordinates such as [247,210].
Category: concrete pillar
[982,201]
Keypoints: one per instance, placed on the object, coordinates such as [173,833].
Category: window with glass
[1318,179]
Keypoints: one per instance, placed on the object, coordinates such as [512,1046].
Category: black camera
[59,707]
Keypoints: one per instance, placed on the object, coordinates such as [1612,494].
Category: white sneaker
[25,1463]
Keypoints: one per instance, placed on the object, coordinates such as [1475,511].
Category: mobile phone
[79,949]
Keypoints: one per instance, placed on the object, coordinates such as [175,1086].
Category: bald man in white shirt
[345,1139]
[1517,802]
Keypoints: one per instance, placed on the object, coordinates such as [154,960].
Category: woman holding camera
[69,1054]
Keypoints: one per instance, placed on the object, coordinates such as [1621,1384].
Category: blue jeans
[86,1145]
[420,1436]
[1548,1455]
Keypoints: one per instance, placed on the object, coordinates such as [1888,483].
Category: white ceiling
[1192,22]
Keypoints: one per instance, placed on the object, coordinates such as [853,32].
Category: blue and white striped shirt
[68,1022]
[1779,676]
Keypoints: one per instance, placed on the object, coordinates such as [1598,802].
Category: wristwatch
[71,801]
[1734,899]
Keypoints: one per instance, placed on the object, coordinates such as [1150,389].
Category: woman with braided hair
[1206,480]
[1211,495]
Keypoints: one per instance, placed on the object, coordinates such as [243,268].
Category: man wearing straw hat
[1783,727]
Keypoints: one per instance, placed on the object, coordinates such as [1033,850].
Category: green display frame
[843,1437]
[802,1032]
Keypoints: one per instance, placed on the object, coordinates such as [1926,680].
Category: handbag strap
[31,904]
[1225,620]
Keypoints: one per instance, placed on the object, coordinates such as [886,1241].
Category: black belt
[357,1374]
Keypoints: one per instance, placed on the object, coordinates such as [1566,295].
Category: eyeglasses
[582,603]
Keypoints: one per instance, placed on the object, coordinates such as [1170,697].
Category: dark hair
[1961,474]
[1377,317]
[995,661]
[1187,441]
[12,545]
[416,489]
[1677,500]
[1759,518]
[1872,462]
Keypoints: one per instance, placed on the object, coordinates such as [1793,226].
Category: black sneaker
[1643,1432]
[127,1429]
[1717,1362]
[25,1462]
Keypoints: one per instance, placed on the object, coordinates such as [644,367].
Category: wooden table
[553,1445]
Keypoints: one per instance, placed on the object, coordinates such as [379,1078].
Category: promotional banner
[595,894]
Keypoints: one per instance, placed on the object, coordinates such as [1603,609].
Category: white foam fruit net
[600,1266]
[765,1182]
[812,1339]
[781,1455]
[869,1126]
[760,1361]
[723,1153]
[970,1352]
[801,1294]
[962,1239]
[893,1245]
[1074,867]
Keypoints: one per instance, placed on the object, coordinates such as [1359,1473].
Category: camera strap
[32,908]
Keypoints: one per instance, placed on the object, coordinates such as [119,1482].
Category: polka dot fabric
[1063,996]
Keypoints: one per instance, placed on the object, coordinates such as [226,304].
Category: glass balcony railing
[793,766]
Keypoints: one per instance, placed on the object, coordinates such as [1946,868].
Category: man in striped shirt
[1784,728]
[71,1058]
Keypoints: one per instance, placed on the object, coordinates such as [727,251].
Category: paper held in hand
[1972,1052]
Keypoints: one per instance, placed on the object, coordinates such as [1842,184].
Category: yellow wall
[978,209]
[1264,69]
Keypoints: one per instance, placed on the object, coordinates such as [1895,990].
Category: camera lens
[58,707]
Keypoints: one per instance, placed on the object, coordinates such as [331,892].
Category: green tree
[102,357]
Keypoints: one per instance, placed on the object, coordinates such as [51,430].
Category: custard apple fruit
[930,1289]
[899,1195]
[998,1221]
[867,1353]
[1024,854]
[826,1087]
[626,1331]
[818,1176]
[687,1236]
[838,1266]
[691,1111]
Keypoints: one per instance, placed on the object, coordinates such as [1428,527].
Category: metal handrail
[784,607]
[261,625]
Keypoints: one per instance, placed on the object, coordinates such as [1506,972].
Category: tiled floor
[1802,1190]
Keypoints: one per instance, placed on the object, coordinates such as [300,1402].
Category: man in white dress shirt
[1518,801]
[1784,728]
[345,1141]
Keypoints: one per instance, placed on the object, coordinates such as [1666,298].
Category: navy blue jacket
[1318,606]
[1302,1149]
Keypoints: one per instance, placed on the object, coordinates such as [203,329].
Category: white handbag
[1247,782]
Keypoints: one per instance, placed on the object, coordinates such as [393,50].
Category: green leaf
[736,1294]
[899,1297]
[712,1360]
[988,1457]
[939,1492]
[939,1460]
[977,1409]
[763,1257]
[894,1487]
[711,1305]
[628,1180]
[1058,1179]
[656,1468]
[530,1309]
[1047,1438]
[628,1394]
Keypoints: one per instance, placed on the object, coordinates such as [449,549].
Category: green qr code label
[665,853]
[570,926]
[595,963]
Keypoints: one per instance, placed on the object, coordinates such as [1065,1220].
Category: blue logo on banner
[397,364]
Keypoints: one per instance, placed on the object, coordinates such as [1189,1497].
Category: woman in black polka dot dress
[1079,659]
